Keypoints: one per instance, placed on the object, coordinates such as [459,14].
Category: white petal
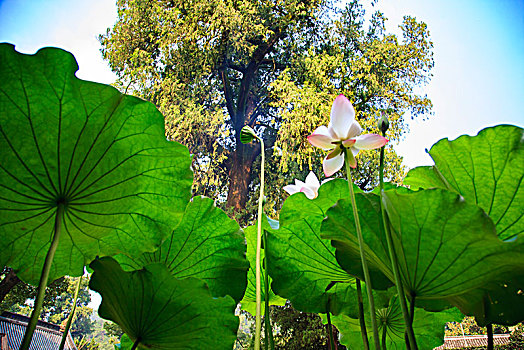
[333,165]
[312,181]
[321,138]
[327,180]
[299,183]
[291,189]
[354,130]
[342,117]
[309,192]
[370,141]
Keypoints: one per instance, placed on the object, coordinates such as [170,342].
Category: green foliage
[248,303]
[428,327]
[486,169]
[86,344]
[85,147]
[15,300]
[156,309]
[112,329]
[298,330]
[445,245]
[206,244]
[302,265]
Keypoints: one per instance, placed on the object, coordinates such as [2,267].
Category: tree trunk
[9,282]
[240,173]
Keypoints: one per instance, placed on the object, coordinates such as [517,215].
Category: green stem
[367,278]
[393,258]
[361,319]
[267,318]
[135,344]
[43,279]
[489,328]
[384,329]
[259,247]
[71,314]
[330,331]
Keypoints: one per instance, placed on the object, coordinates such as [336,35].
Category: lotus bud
[383,123]
[247,134]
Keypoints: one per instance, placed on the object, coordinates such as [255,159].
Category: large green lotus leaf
[162,311]
[427,326]
[303,265]
[206,244]
[498,303]
[339,227]
[101,154]
[446,246]
[249,301]
[486,169]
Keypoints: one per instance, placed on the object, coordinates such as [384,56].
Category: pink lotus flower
[341,134]
[309,188]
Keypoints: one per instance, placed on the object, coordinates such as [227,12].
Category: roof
[46,336]
[472,341]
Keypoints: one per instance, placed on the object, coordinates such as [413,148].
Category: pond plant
[89,180]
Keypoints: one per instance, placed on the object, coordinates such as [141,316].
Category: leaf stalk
[259,247]
[361,318]
[71,314]
[39,300]
[408,319]
[367,278]
[267,318]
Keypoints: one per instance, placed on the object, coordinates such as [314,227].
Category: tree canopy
[214,66]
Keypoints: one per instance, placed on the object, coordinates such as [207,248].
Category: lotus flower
[342,136]
[309,188]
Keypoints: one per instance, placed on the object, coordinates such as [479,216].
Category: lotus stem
[332,344]
[489,328]
[259,247]
[361,319]
[267,318]
[43,279]
[384,333]
[367,277]
[71,314]
[393,257]
[135,344]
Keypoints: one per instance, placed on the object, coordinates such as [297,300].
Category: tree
[214,66]
[300,330]
[15,292]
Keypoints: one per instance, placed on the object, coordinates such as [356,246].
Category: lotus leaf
[428,327]
[249,300]
[98,154]
[445,245]
[206,244]
[303,265]
[486,169]
[160,311]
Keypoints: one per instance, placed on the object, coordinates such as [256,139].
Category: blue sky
[479,56]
